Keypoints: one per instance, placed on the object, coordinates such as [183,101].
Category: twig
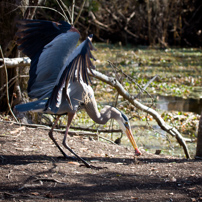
[45,127]
[10,83]
[11,80]
[7,90]
[66,8]
[80,133]
[44,8]
[80,11]
[117,94]
[98,23]
[73,5]
[131,79]
[147,84]
[49,180]
[66,18]
[172,131]
[10,172]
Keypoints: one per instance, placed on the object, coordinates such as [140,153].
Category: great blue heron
[59,76]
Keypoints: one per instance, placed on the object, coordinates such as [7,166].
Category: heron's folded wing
[75,69]
[48,44]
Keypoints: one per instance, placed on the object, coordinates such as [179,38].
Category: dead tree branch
[13,62]
[7,90]
[80,11]
[164,126]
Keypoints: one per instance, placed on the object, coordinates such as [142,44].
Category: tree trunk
[8,17]
[199,140]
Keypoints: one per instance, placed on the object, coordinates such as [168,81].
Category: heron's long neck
[103,116]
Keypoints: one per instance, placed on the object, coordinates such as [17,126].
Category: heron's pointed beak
[132,140]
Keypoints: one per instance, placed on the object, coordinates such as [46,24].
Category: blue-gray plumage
[59,76]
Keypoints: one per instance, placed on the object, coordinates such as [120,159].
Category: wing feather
[48,44]
[74,70]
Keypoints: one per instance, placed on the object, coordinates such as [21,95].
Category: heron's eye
[126,124]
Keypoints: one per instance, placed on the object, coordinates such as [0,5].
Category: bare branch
[14,62]
[66,18]
[172,131]
[7,91]
[97,22]
[80,11]
[73,5]
[44,7]
[66,8]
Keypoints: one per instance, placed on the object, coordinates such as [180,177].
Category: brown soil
[31,170]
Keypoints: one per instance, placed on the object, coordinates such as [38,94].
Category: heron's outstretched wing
[48,44]
[75,69]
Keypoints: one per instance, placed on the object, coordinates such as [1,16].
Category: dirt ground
[32,169]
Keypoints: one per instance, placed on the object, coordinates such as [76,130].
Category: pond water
[151,137]
[172,103]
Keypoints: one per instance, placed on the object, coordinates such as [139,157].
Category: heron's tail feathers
[37,106]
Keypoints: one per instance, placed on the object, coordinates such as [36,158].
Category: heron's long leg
[53,139]
[70,117]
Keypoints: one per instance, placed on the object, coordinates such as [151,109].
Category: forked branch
[164,126]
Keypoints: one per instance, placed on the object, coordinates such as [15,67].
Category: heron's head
[125,126]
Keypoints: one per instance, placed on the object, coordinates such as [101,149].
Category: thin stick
[147,84]
[73,5]
[79,133]
[10,84]
[7,91]
[81,9]
[47,127]
[66,18]
[66,8]
[131,79]
[41,7]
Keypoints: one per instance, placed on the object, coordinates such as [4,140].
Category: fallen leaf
[25,149]
[191,188]
[35,193]
[132,197]
[73,162]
